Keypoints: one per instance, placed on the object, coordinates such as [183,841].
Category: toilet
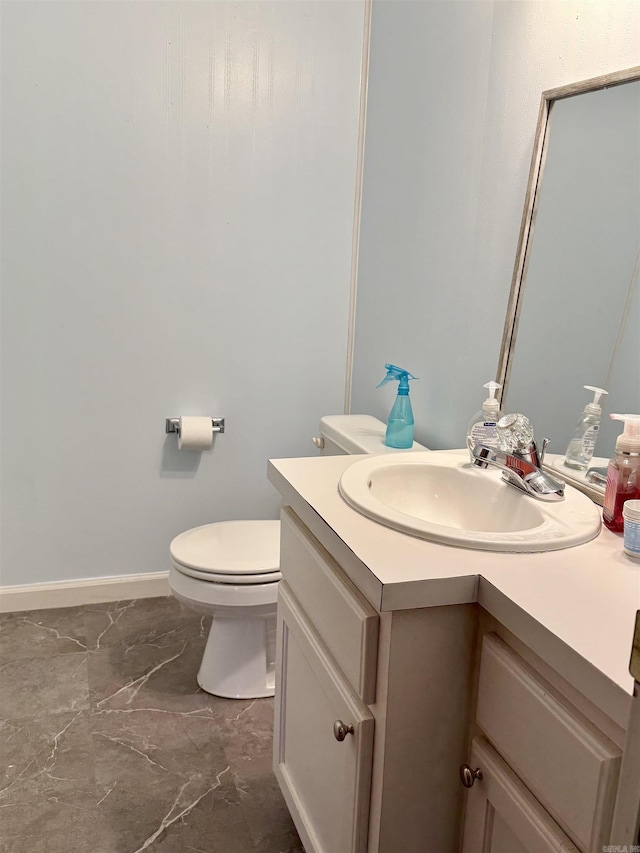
[230,571]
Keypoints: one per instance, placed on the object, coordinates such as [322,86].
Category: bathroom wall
[453,98]
[179,182]
[178,192]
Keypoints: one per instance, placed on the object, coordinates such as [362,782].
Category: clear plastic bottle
[583,443]
[483,426]
[623,474]
[399,432]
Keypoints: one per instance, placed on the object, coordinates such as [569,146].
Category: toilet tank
[347,434]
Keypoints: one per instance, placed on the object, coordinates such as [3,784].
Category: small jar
[631,517]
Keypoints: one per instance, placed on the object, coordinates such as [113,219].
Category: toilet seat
[236,580]
[202,595]
[229,552]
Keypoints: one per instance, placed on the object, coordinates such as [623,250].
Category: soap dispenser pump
[623,474]
[483,425]
[583,443]
[399,431]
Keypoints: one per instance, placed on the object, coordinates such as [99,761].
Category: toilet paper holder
[173,425]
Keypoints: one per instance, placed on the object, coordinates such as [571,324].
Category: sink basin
[442,497]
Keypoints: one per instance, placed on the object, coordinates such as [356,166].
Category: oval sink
[442,497]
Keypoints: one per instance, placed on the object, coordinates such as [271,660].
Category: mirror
[573,317]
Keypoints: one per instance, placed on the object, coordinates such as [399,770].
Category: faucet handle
[545,442]
[515,433]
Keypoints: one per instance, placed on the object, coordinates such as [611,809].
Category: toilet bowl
[230,570]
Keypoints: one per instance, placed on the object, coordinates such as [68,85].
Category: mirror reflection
[574,314]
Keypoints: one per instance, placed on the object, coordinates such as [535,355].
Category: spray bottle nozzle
[398,373]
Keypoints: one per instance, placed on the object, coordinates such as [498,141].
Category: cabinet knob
[341,730]
[469,776]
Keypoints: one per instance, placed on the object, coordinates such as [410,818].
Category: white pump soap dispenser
[483,425]
[583,443]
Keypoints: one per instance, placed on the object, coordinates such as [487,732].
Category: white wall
[454,92]
[178,197]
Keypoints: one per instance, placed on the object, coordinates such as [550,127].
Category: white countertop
[586,597]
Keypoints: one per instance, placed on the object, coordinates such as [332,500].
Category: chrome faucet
[519,460]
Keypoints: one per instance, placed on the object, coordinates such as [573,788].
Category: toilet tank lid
[358,434]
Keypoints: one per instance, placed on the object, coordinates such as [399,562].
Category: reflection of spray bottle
[483,426]
[400,422]
[583,443]
[623,475]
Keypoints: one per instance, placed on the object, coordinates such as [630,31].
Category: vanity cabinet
[399,662]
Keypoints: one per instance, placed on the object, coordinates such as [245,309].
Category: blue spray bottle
[400,422]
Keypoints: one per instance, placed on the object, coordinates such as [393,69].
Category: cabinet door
[569,766]
[325,782]
[502,816]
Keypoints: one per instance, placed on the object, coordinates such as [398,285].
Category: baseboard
[41,596]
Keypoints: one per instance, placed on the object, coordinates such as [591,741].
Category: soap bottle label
[589,440]
[484,432]
[632,537]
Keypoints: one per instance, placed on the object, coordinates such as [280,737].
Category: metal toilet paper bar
[173,425]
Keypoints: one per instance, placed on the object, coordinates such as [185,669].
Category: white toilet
[230,570]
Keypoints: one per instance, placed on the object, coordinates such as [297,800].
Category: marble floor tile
[30,689]
[108,745]
[36,634]
[48,781]
[180,768]
[147,657]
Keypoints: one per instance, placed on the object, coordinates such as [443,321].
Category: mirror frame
[532,197]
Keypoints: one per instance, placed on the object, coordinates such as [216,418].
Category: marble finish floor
[109,746]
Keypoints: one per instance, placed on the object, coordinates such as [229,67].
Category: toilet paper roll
[195,433]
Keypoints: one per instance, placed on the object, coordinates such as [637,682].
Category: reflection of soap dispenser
[483,425]
[400,422]
[583,443]
[623,475]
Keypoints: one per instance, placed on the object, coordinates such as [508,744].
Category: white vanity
[401,660]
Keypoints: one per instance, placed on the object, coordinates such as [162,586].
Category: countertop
[576,605]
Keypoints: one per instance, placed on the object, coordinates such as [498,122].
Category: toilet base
[239,658]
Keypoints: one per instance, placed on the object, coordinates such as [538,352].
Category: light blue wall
[454,92]
[178,190]
[416,300]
